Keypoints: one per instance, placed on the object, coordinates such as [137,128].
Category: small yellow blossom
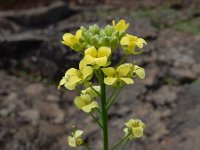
[75,140]
[73,76]
[84,102]
[121,25]
[117,75]
[129,43]
[73,40]
[91,91]
[135,70]
[134,128]
[97,57]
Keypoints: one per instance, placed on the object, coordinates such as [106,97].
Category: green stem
[111,96]
[104,114]
[114,99]
[95,119]
[123,148]
[120,142]
[95,90]
[98,111]
[97,75]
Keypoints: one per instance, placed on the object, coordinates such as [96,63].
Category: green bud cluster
[108,36]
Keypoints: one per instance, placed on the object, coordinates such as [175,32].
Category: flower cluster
[97,47]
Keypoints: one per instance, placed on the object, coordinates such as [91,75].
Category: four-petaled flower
[73,77]
[121,25]
[129,43]
[75,140]
[134,128]
[96,57]
[84,102]
[117,75]
[135,70]
[73,40]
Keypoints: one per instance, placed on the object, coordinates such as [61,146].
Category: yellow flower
[73,76]
[97,57]
[134,128]
[84,102]
[117,75]
[121,25]
[135,70]
[75,140]
[73,40]
[129,43]
[91,91]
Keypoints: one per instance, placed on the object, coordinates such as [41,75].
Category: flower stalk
[104,113]
[97,47]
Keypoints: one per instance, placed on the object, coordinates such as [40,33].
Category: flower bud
[102,33]
[109,30]
[115,33]
[114,42]
[105,41]
[95,40]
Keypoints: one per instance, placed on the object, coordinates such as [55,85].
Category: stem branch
[95,119]
[120,142]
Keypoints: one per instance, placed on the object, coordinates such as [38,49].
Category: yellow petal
[123,70]
[73,80]
[140,42]
[67,36]
[110,71]
[79,102]
[129,123]
[72,141]
[137,132]
[103,51]
[140,72]
[125,40]
[127,80]
[91,51]
[121,25]
[113,23]
[109,80]
[62,82]
[132,37]
[86,98]
[91,92]
[89,59]
[69,39]
[87,71]
[70,87]
[102,61]
[71,72]
[78,34]
[88,108]
[78,133]
[82,64]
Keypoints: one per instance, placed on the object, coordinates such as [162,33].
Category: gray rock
[34,89]
[142,28]
[31,116]
[165,95]
[33,17]
[184,124]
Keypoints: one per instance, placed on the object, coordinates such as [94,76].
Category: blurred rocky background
[34,115]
